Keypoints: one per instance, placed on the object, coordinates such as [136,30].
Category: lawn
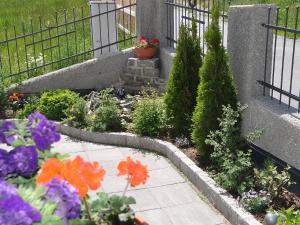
[57,46]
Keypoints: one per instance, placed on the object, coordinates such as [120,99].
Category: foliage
[76,114]
[149,116]
[184,80]
[54,103]
[35,197]
[106,116]
[272,181]
[113,209]
[215,90]
[255,202]
[3,100]
[30,106]
[232,166]
[289,216]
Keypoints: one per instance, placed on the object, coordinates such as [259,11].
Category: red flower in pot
[146,49]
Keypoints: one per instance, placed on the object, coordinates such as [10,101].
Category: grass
[21,17]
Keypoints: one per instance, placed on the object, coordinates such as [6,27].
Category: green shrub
[107,113]
[289,216]
[255,202]
[180,98]
[3,101]
[215,90]
[149,116]
[272,181]
[232,167]
[76,114]
[53,104]
[29,107]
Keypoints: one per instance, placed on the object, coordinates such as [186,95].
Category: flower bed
[41,187]
[134,115]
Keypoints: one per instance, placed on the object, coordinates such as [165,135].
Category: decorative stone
[271,219]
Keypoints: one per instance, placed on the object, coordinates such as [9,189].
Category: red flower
[155,41]
[143,40]
[136,172]
[13,98]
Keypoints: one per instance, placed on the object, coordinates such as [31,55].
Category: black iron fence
[284,84]
[48,44]
[181,12]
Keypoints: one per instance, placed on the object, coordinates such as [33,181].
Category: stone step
[149,63]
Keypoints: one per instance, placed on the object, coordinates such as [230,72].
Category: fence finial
[192,3]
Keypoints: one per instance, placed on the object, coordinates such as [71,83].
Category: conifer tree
[180,98]
[215,90]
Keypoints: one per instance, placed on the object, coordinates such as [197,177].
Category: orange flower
[136,172]
[84,176]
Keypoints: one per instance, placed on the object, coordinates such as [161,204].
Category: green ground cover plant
[184,80]
[215,90]
[76,114]
[53,104]
[273,181]
[106,115]
[149,116]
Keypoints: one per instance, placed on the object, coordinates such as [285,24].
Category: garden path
[166,199]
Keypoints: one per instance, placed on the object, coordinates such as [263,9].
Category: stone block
[150,72]
[135,70]
[132,62]
[149,63]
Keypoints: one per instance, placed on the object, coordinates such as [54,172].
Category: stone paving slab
[166,199]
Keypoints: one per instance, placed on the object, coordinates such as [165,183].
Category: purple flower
[66,198]
[4,128]
[43,131]
[13,209]
[36,117]
[24,159]
[5,166]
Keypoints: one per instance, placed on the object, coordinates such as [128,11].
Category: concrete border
[217,196]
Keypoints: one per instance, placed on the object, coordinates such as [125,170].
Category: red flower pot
[139,220]
[145,53]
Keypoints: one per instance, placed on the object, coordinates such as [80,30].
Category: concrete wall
[98,73]
[246,47]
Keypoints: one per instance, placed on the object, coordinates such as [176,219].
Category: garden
[199,113]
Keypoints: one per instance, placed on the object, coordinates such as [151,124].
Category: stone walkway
[166,199]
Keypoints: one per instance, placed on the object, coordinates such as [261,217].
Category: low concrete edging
[217,196]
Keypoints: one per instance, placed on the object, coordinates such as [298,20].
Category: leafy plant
[76,114]
[106,116]
[36,199]
[149,116]
[30,106]
[289,216]
[272,181]
[184,80]
[232,166]
[215,90]
[255,202]
[54,103]
[3,101]
[114,209]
